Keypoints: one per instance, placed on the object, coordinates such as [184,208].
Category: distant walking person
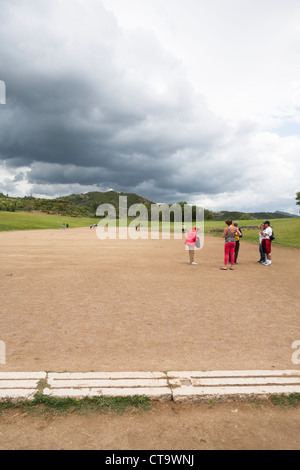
[190,243]
[267,233]
[229,234]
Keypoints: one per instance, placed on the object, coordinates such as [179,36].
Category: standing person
[229,234]
[262,254]
[237,243]
[266,233]
[238,237]
[190,243]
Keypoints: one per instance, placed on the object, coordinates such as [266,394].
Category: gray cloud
[91,116]
[90,106]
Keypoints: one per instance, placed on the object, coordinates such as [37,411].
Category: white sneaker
[194,263]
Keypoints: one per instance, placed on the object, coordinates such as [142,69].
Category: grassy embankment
[32,221]
[287,231]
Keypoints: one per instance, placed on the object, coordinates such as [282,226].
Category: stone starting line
[177,386]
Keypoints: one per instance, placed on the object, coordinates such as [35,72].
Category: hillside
[235,215]
[85,205]
[90,201]
[75,205]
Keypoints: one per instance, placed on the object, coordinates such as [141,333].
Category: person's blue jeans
[262,255]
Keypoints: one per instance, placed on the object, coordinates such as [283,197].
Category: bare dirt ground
[167,426]
[70,302]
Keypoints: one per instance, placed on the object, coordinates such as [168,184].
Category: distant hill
[286,214]
[74,205]
[90,201]
[235,215]
[85,205]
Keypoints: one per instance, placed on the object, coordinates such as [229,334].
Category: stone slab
[11,394]
[198,394]
[181,386]
[236,381]
[233,373]
[159,394]
[93,383]
[4,384]
[22,375]
[106,375]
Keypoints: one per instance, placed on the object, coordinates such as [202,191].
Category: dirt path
[166,427]
[70,302]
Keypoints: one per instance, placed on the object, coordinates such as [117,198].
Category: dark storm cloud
[81,111]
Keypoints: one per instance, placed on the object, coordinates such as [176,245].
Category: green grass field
[287,231]
[30,221]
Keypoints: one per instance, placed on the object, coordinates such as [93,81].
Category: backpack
[272,237]
[238,237]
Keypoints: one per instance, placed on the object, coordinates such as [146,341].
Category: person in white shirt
[266,233]
[262,255]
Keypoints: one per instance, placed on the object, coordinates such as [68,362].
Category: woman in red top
[229,235]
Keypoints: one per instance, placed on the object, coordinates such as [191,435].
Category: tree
[208,215]
[246,217]
[298,198]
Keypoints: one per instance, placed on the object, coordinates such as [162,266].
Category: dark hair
[228,222]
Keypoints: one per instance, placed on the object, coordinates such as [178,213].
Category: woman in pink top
[190,243]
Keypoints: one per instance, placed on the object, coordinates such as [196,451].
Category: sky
[175,100]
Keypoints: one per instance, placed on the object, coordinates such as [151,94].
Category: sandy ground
[167,426]
[71,302]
